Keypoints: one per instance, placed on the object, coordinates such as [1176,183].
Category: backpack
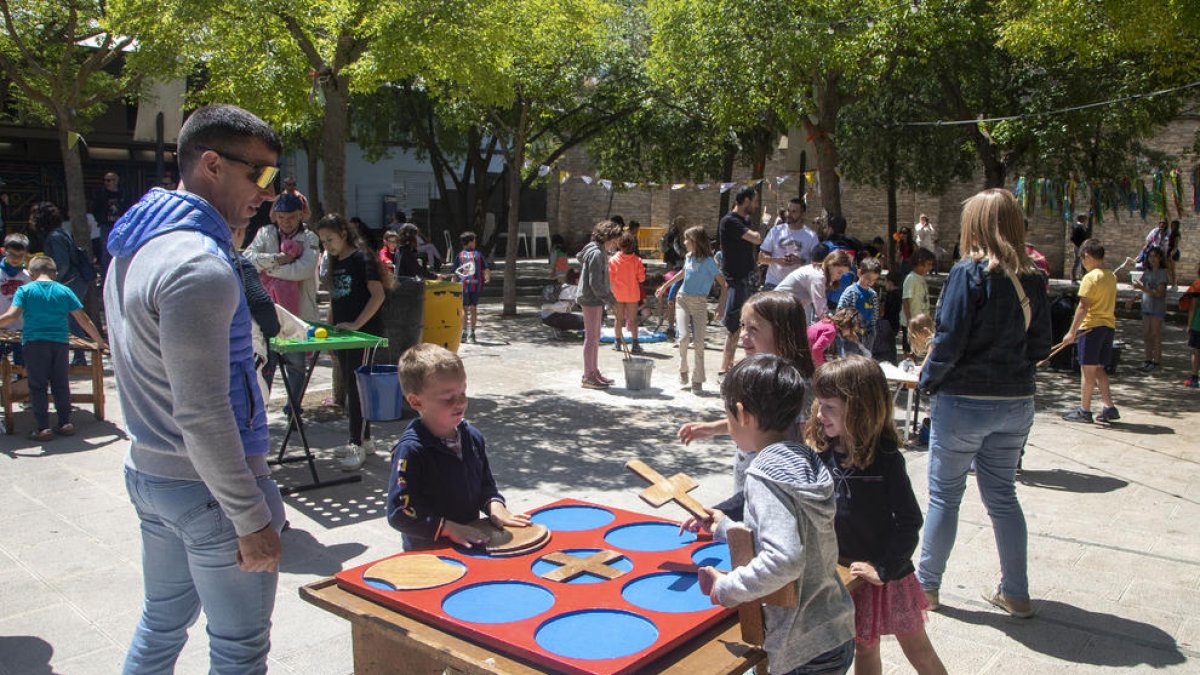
[81,262]
[81,266]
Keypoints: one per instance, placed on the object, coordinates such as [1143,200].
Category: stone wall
[574,208]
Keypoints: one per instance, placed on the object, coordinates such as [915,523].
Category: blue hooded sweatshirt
[180,334]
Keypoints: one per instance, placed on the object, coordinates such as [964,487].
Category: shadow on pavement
[1103,639]
[538,439]
[89,435]
[1071,481]
[303,554]
[25,654]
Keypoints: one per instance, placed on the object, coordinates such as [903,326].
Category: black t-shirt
[1080,233]
[736,252]
[108,207]
[348,289]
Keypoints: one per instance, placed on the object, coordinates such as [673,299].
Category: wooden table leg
[6,391]
[98,384]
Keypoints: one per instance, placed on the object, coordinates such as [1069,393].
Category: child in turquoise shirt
[45,305]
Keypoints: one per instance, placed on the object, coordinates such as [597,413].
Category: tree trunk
[333,142]
[727,176]
[312,161]
[891,208]
[994,170]
[516,160]
[76,204]
[827,159]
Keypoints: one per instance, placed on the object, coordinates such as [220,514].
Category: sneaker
[1148,367]
[1108,415]
[594,384]
[1192,381]
[697,388]
[353,458]
[618,345]
[931,599]
[1078,415]
[1021,609]
[636,349]
[472,338]
[605,380]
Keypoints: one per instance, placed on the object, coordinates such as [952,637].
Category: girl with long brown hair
[691,303]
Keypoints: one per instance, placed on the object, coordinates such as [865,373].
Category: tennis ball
[320,333]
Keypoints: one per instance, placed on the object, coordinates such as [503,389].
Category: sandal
[41,435]
[67,429]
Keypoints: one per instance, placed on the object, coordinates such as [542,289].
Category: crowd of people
[817,465]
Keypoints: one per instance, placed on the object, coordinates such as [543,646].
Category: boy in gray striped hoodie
[790,507]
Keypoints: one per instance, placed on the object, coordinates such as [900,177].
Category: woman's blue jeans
[990,433]
[189,561]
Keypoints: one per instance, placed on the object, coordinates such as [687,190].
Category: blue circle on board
[674,592]
[543,567]
[498,602]
[385,586]
[573,518]
[648,537]
[595,634]
[714,555]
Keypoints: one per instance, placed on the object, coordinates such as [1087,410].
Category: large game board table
[334,341]
[901,380]
[609,592]
[386,642]
[95,370]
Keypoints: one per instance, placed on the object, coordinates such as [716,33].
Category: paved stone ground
[1114,558]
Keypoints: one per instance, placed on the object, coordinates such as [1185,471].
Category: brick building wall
[574,207]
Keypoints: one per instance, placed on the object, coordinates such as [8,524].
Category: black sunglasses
[263,175]
[15,246]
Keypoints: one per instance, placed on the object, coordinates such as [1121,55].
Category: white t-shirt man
[782,241]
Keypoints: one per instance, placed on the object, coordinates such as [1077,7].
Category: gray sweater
[790,507]
[594,286]
[174,305]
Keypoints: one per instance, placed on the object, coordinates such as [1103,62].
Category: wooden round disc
[501,540]
[534,545]
[414,572]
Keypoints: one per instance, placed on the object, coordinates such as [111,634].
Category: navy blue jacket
[981,347]
[430,483]
[878,519]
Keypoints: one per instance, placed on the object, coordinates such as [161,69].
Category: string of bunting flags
[771,183]
[1165,190]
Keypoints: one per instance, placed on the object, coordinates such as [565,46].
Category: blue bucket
[379,392]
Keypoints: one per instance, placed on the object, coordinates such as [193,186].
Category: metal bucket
[637,373]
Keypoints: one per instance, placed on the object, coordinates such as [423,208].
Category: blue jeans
[836,661]
[189,562]
[990,433]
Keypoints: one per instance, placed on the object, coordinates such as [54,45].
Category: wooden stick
[1061,346]
[741,550]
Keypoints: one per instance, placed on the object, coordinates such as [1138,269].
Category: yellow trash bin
[443,314]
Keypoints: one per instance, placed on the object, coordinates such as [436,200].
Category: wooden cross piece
[573,566]
[741,551]
[663,490]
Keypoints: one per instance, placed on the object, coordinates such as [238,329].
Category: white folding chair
[449,247]
[540,230]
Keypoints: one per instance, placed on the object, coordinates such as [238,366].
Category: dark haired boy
[862,297]
[473,270]
[441,480]
[790,507]
[1092,330]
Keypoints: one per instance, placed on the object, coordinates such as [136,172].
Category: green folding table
[336,340]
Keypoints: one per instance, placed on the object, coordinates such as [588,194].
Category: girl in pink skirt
[878,518]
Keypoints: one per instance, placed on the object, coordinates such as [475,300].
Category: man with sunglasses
[180,332]
[108,205]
